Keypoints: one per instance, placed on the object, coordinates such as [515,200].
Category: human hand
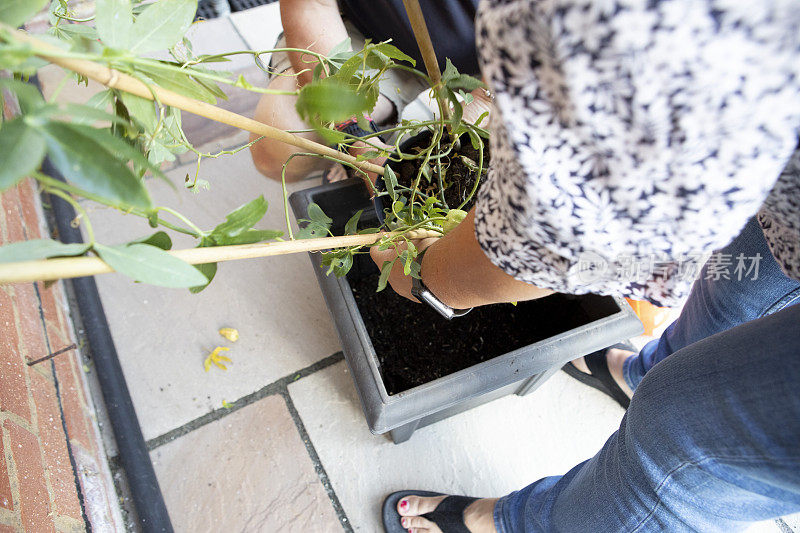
[397,278]
[339,173]
[481,103]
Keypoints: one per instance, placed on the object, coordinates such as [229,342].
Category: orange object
[651,316]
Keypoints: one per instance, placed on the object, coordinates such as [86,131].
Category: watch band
[424,294]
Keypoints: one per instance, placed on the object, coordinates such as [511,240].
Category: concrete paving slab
[249,471]
[488,451]
[259,26]
[163,335]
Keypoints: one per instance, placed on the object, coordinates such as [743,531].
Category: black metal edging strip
[133,455]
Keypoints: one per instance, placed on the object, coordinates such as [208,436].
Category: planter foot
[403,433]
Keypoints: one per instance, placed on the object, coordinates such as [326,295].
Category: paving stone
[488,451]
[217,36]
[248,471]
[259,26]
[163,335]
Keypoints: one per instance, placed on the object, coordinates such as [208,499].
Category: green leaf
[29,96]
[454,81]
[249,236]
[394,52]
[119,148]
[209,270]
[22,150]
[158,239]
[316,214]
[101,100]
[74,32]
[390,179]
[330,101]
[13,55]
[152,265]
[161,25]
[181,83]
[39,249]
[450,71]
[114,22]
[241,219]
[15,12]
[352,225]
[342,47]
[141,109]
[386,269]
[89,164]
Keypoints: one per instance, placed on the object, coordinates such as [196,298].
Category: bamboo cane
[423,38]
[74,267]
[118,80]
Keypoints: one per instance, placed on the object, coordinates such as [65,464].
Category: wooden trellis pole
[117,80]
[74,267]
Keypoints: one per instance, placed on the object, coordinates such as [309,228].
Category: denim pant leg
[709,443]
[718,305]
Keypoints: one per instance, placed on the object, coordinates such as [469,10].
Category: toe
[417,523]
[416,505]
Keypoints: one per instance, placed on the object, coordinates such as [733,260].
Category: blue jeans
[711,440]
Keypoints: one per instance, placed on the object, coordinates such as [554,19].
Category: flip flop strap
[598,366]
[449,514]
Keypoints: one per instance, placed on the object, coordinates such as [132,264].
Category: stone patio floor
[278,442]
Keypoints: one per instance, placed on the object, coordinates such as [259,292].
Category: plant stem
[118,80]
[49,182]
[70,200]
[200,233]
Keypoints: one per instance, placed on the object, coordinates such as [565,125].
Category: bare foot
[478,516]
[615,358]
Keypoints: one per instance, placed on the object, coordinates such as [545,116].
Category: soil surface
[415,345]
[458,178]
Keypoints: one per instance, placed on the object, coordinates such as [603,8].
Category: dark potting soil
[415,345]
[459,178]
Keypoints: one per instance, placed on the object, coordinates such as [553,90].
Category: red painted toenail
[404,521]
[403,504]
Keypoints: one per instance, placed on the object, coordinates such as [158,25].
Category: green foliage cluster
[109,148]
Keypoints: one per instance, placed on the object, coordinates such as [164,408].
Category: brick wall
[53,470]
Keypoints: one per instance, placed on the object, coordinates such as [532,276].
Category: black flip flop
[600,377]
[448,515]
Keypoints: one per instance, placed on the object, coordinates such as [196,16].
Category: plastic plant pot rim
[384,412]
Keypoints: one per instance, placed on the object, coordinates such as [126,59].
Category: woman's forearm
[457,271]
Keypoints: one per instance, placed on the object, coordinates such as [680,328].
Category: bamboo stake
[74,267]
[423,38]
[118,80]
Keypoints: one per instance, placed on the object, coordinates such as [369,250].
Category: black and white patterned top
[638,132]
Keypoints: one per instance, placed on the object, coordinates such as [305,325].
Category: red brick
[54,447]
[28,195]
[10,212]
[33,495]
[72,403]
[56,324]
[31,331]
[6,496]
[13,388]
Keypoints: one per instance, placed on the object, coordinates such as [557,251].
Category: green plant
[109,148]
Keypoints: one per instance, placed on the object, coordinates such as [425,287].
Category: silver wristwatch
[423,294]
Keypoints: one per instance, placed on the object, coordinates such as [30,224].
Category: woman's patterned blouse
[635,137]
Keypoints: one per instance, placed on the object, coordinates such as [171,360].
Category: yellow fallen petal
[223,367]
[207,363]
[223,358]
[230,333]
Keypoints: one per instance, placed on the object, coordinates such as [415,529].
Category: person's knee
[278,111]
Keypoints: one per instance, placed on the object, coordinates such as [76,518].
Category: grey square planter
[517,372]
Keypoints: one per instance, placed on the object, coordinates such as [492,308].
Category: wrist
[434,274]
